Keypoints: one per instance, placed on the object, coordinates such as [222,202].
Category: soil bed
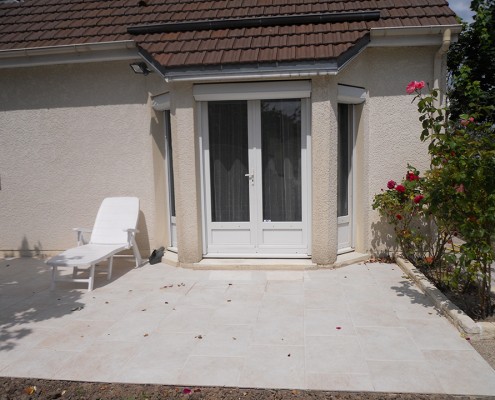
[27,389]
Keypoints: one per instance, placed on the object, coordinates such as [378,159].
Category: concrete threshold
[294,264]
[464,324]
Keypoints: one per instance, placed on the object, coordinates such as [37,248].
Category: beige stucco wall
[185,139]
[324,142]
[388,130]
[71,135]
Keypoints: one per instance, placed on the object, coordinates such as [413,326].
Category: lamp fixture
[140,68]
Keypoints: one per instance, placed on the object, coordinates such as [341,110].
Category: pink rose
[418,198]
[391,184]
[460,188]
[414,85]
[411,87]
[400,188]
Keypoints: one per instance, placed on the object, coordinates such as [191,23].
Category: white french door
[256,194]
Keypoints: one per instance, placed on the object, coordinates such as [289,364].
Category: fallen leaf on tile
[77,308]
[338,327]
[144,309]
[145,335]
[199,337]
[288,355]
[166,302]
[106,302]
[228,301]
[234,338]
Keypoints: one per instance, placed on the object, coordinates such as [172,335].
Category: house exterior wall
[388,130]
[187,177]
[324,136]
[88,131]
[71,135]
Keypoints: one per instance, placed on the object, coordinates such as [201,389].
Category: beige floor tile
[77,336]
[233,312]
[436,334]
[335,355]
[132,327]
[374,314]
[96,362]
[274,367]
[224,341]
[40,363]
[159,361]
[285,287]
[403,376]
[278,329]
[462,372]
[211,371]
[339,382]
[331,321]
[318,296]
[388,344]
[184,318]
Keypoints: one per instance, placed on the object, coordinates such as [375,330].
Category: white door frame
[350,95]
[253,92]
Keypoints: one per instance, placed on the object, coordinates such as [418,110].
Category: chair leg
[109,273]
[137,255]
[54,275]
[91,278]
[74,272]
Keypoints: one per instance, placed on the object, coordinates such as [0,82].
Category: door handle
[251,178]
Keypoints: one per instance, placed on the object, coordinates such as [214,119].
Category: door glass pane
[281,159]
[228,143]
[343,161]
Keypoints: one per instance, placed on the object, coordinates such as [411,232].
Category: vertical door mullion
[254,163]
[206,177]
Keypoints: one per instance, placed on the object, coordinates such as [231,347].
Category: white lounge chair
[114,230]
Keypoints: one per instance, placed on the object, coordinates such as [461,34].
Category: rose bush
[456,197]
[403,206]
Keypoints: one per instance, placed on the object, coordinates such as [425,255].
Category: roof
[212,33]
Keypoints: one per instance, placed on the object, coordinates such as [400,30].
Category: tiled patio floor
[363,327]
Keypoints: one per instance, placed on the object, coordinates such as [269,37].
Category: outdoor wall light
[140,68]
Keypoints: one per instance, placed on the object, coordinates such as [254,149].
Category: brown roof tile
[33,23]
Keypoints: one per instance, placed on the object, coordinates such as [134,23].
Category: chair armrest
[80,235]
[131,237]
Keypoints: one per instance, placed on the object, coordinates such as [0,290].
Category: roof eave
[69,54]
[430,35]
[270,70]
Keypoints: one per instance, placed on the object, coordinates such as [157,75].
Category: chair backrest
[114,216]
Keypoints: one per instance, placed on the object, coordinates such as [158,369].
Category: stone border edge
[465,325]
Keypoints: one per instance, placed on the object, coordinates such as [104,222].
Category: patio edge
[464,324]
